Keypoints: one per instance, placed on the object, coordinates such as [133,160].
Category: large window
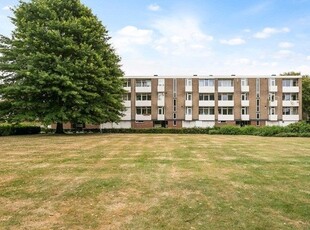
[226,111]
[290,110]
[143,110]
[290,82]
[206,97]
[290,97]
[226,83]
[244,82]
[143,97]
[188,110]
[206,82]
[161,110]
[143,83]
[245,96]
[127,83]
[188,96]
[225,97]
[127,97]
[245,110]
[206,110]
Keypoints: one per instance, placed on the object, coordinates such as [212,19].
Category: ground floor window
[290,110]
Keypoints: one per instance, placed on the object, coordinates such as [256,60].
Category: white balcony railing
[225,103]
[226,89]
[143,89]
[292,89]
[206,117]
[188,103]
[290,103]
[245,88]
[160,117]
[127,103]
[128,89]
[143,117]
[273,103]
[273,117]
[207,103]
[143,103]
[188,88]
[245,103]
[290,117]
[188,117]
[273,88]
[225,117]
[206,89]
[161,103]
[161,88]
[245,117]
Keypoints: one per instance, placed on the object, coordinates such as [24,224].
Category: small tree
[306,96]
[58,66]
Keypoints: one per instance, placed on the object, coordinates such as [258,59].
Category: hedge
[6,130]
[160,130]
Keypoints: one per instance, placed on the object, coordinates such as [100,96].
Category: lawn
[154,182]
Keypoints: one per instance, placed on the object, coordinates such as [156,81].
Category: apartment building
[207,101]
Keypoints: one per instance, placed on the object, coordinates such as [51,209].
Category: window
[257,87]
[290,97]
[226,110]
[225,97]
[161,82]
[272,97]
[188,96]
[244,96]
[226,83]
[206,82]
[188,110]
[244,82]
[188,82]
[143,97]
[206,110]
[290,110]
[245,110]
[174,105]
[143,110]
[127,97]
[272,111]
[161,110]
[161,96]
[272,82]
[174,116]
[127,83]
[143,83]
[257,115]
[206,97]
[290,82]
[175,87]
[174,123]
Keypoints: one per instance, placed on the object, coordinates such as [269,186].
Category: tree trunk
[59,128]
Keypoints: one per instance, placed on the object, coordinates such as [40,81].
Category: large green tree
[58,66]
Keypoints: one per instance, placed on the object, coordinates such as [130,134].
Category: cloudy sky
[171,37]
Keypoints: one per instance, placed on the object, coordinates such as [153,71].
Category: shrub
[299,127]
[248,130]
[7,129]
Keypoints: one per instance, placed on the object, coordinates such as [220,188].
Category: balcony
[127,103]
[290,103]
[245,117]
[143,117]
[161,103]
[290,118]
[188,117]
[226,89]
[245,103]
[160,117]
[273,117]
[161,88]
[188,88]
[206,117]
[128,89]
[206,103]
[226,117]
[225,103]
[245,88]
[127,115]
[146,89]
[273,103]
[188,103]
[143,103]
[206,89]
[273,88]
[292,89]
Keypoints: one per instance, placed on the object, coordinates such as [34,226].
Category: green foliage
[160,130]
[306,96]
[58,66]
[299,127]
[6,130]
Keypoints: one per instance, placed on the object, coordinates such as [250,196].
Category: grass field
[154,182]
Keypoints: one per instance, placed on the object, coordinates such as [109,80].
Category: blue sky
[172,37]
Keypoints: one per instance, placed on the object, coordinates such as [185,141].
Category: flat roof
[210,76]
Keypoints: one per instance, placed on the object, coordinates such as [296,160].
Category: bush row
[160,130]
[6,130]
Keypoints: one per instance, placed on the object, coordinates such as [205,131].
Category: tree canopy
[58,66]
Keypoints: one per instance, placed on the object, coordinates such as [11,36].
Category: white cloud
[154,7]
[127,37]
[268,31]
[180,35]
[233,42]
[247,30]
[285,45]
[283,54]
[7,7]
[308,58]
